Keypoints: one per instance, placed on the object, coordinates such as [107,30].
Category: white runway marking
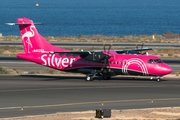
[86,103]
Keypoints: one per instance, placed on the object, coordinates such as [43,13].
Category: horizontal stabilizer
[23,23]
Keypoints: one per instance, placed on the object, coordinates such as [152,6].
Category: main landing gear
[89,77]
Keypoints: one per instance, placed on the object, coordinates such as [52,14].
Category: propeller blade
[137,46]
[104,64]
[109,48]
[109,69]
[104,47]
[142,45]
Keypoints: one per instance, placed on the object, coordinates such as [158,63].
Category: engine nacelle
[96,57]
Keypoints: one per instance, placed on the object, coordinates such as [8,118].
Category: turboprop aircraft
[105,63]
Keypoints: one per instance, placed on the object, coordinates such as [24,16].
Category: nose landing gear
[157,78]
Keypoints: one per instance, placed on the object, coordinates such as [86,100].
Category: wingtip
[10,23]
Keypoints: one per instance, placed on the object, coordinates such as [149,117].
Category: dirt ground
[167,113]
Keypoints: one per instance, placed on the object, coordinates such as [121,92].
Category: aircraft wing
[86,53]
[83,53]
[132,51]
[99,55]
[96,56]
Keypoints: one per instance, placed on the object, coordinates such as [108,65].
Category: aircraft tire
[158,80]
[89,77]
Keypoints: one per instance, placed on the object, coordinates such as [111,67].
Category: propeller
[137,47]
[142,47]
[106,58]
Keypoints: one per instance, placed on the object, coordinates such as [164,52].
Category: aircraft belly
[128,72]
[114,71]
[85,70]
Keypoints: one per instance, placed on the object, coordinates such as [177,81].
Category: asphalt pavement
[40,94]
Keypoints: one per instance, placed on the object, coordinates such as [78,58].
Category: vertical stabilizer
[32,40]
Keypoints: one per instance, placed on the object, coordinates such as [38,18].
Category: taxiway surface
[40,94]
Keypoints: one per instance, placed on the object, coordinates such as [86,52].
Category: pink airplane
[105,63]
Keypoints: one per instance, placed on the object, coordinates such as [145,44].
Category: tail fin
[32,40]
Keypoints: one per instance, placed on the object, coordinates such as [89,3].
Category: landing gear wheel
[105,77]
[89,77]
[158,80]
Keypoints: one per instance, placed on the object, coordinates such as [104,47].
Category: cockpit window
[158,60]
[152,61]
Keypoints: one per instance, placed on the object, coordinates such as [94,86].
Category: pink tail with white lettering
[32,40]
